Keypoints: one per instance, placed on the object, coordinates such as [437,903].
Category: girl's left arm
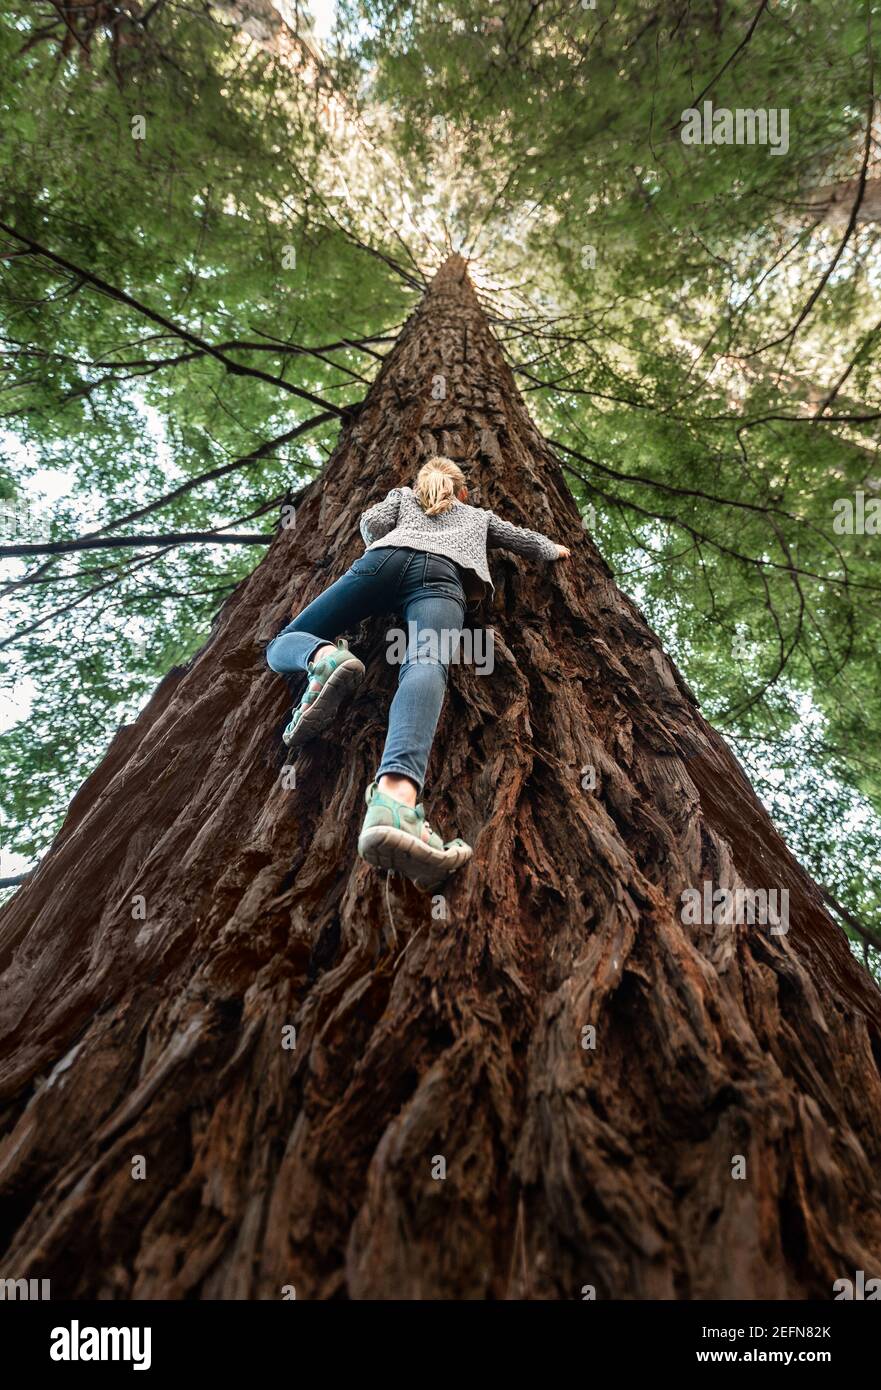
[503,535]
[378,520]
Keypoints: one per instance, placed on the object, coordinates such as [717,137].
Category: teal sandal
[330,681]
[398,837]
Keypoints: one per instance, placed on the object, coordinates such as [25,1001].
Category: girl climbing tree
[626,1102]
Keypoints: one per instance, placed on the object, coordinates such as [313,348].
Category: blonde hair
[437,483]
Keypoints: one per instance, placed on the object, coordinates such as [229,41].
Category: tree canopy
[213,228]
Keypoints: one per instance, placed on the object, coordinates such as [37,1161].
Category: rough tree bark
[312,1166]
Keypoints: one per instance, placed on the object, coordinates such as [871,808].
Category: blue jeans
[426,590]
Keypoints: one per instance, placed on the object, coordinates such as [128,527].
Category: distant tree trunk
[194,907]
[834,202]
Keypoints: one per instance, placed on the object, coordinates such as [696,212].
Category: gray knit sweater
[462,533]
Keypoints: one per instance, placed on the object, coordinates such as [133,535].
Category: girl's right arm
[378,520]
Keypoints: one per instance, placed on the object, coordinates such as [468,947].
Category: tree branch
[8,552]
[234,368]
[753,561]
[868,935]
[211,475]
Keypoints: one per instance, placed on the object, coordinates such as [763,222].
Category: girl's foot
[331,680]
[396,836]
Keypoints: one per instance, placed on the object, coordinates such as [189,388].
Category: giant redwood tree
[234,1056]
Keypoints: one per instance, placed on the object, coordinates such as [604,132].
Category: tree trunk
[834,202]
[194,907]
